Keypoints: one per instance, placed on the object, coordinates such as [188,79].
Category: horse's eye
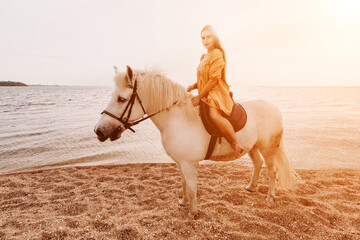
[121,99]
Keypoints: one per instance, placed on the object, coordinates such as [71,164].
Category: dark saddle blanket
[237,118]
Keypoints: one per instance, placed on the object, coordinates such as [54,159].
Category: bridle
[129,106]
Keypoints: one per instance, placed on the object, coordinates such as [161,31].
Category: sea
[45,127]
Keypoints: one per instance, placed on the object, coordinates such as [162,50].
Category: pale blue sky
[277,42]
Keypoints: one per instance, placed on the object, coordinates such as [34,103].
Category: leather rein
[129,106]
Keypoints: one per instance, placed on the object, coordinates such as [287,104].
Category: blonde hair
[217,44]
[160,92]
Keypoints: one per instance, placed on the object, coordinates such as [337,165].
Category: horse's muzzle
[115,134]
[103,135]
[100,135]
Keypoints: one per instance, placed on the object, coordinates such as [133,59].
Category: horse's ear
[115,68]
[129,75]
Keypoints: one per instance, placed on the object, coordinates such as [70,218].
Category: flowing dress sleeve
[217,63]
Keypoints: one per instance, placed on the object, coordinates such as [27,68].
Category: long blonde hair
[217,44]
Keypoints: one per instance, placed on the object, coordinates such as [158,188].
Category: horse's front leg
[185,199]
[189,170]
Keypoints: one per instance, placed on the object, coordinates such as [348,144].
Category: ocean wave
[25,135]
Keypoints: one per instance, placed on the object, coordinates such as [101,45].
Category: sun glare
[347,11]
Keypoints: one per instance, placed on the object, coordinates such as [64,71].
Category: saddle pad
[237,118]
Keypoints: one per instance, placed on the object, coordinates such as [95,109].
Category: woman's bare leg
[225,127]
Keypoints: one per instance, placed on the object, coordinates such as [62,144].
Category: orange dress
[210,68]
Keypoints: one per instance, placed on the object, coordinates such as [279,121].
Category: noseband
[129,106]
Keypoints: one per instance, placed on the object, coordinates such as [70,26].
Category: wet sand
[139,201]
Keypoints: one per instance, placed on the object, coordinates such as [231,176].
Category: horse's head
[114,119]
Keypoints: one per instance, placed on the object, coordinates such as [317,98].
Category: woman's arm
[192,87]
[217,63]
[208,86]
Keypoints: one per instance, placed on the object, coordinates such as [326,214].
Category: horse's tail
[286,176]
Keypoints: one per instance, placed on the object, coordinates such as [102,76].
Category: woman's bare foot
[238,150]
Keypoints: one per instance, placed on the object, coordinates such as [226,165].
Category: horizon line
[230,85]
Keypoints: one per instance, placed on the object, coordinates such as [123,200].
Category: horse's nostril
[99,133]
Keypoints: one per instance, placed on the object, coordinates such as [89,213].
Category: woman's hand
[196,100]
[191,87]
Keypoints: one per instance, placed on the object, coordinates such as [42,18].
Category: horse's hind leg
[189,170]
[185,200]
[257,162]
[269,156]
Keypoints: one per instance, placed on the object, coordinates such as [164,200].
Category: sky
[267,43]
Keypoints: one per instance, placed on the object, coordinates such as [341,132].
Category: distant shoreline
[10,83]
[250,86]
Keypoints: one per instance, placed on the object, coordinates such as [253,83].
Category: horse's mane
[156,88]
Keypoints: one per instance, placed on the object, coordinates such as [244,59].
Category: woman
[212,86]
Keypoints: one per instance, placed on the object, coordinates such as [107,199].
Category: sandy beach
[57,181]
[74,74]
[139,201]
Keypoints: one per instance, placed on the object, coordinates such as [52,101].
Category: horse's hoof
[192,215]
[182,202]
[250,188]
[270,199]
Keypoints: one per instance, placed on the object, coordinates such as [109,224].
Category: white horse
[183,135]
